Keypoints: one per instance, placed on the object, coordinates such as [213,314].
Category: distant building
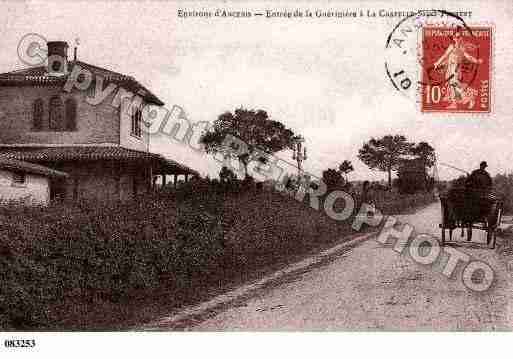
[27,182]
[102,147]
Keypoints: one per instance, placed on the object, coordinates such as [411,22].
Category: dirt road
[372,287]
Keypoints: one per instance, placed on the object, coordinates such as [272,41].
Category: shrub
[101,252]
[332,178]
[503,184]
[88,254]
[227,176]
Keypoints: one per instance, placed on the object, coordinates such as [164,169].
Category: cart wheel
[443,237]
[491,237]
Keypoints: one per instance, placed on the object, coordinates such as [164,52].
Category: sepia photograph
[329,167]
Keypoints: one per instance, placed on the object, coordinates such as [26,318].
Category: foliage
[390,202]
[425,153]
[411,183]
[413,177]
[227,176]
[94,255]
[459,182]
[389,153]
[385,153]
[332,178]
[345,168]
[79,266]
[255,136]
[503,185]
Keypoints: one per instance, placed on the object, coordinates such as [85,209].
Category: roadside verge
[190,315]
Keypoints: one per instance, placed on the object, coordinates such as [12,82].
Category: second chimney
[57,58]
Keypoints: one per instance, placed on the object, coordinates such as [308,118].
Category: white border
[491,70]
[261,345]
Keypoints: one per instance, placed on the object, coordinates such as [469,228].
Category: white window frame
[16,182]
[136,123]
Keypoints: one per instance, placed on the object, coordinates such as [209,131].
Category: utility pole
[299,154]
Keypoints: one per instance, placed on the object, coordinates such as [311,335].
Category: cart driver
[480,179]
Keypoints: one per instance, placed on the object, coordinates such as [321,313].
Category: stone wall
[94,124]
[103,180]
[35,190]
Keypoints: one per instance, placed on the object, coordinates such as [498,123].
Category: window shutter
[38,115]
[19,177]
[55,121]
[136,123]
[71,114]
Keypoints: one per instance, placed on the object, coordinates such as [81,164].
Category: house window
[56,117]
[91,90]
[71,114]
[136,129]
[18,178]
[38,115]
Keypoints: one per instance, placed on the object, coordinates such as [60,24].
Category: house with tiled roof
[27,183]
[85,121]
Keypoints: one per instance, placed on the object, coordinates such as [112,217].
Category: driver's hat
[483,164]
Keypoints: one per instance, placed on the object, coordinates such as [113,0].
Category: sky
[324,78]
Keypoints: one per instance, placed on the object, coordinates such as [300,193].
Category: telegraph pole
[299,154]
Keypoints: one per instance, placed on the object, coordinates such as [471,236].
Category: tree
[257,136]
[385,153]
[226,175]
[332,178]
[412,176]
[346,167]
[425,153]
[459,182]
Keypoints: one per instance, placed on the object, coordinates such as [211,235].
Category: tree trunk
[245,170]
[389,178]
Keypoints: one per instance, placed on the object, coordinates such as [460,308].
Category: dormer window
[37,119]
[136,128]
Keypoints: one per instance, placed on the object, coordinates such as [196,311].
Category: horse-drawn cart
[470,209]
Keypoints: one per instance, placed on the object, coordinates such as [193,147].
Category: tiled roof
[72,153]
[91,153]
[39,76]
[15,165]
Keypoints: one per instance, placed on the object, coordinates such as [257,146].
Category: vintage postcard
[252,166]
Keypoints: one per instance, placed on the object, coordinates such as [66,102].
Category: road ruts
[372,287]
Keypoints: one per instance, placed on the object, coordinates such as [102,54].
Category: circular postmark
[32,49]
[432,55]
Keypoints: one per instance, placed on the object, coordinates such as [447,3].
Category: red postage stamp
[456,70]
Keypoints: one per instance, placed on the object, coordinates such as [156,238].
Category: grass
[92,266]
[391,202]
[503,184]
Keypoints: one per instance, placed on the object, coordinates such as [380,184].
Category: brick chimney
[57,58]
